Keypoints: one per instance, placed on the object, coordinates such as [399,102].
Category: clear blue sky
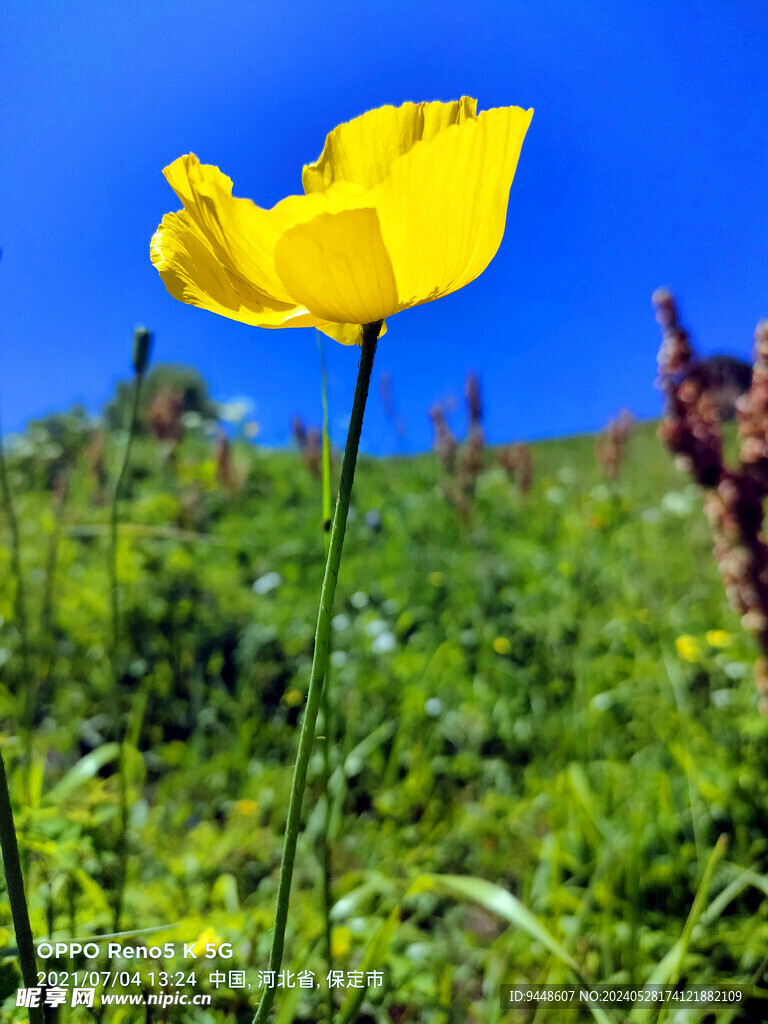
[645,164]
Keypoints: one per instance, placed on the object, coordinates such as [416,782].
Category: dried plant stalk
[516,459]
[310,444]
[691,429]
[611,445]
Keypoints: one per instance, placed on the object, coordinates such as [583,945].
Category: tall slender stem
[320,660]
[14,876]
[122,836]
[326,445]
[15,884]
[325,836]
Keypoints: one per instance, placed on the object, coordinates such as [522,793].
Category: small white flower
[384,643]
[236,410]
[268,582]
[433,706]
[678,503]
[191,420]
[721,698]
[375,628]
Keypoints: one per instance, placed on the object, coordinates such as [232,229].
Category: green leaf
[508,907]
[499,902]
[374,954]
[667,971]
[85,769]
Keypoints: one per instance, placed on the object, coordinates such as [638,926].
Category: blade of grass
[667,971]
[19,597]
[141,345]
[374,954]
[16,896]
[84,769]
[508,907]
[14,876]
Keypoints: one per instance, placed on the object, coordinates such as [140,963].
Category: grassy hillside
[513,704]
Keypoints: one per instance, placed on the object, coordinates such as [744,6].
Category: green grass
[512,710]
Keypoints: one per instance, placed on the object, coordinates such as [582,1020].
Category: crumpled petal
[443,206]
[218,253]
[240,234]
[363,150]
[337,267]
[193,273]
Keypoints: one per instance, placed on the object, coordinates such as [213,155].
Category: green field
[511,705]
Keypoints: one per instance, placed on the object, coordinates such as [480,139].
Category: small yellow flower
[293,698]
[246,807]
[404,205]
[688,648]
[436,579]
[341,941]
[719,638]
[501,645]
[205,938]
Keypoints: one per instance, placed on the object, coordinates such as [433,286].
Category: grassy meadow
[543,722]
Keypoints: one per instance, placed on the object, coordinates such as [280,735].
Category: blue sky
[644,166]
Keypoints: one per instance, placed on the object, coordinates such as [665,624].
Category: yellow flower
[404,205]
[341,941]
[719,638]
[501,645]
[246,807]
[205,938]
[436,579]
[688,648]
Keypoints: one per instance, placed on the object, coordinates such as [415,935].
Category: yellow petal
[219,252]
[240,234]
[363,150]
[348,334]
[194,274]
[337,267]
[443,206]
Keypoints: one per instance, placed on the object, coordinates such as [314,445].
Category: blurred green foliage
[511,704]
[185,380]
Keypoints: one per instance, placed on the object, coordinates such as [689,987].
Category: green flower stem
[325,842]
[122,836]
[15,884]
[325,836]
[320,660]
